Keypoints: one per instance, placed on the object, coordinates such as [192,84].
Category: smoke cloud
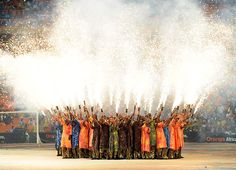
[118,53]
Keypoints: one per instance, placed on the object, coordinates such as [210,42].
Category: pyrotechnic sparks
[121,56]
[43,113]
[199,103]
[117,99]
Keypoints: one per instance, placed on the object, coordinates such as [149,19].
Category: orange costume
[90,138]
[160,136]
[172,134]
[145,139]
[179,133]
[84,135]
[66,133]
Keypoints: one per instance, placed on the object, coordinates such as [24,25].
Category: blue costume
[58,135]
[167,135]
[75,133]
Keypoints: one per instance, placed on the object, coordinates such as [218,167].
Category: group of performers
[121,136]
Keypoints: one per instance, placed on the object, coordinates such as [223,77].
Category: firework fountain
[116,54]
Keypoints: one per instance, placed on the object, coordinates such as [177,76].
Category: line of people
[120,136]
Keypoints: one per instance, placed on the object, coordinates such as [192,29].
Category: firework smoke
[115,53]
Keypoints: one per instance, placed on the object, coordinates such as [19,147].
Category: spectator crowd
[12,11]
